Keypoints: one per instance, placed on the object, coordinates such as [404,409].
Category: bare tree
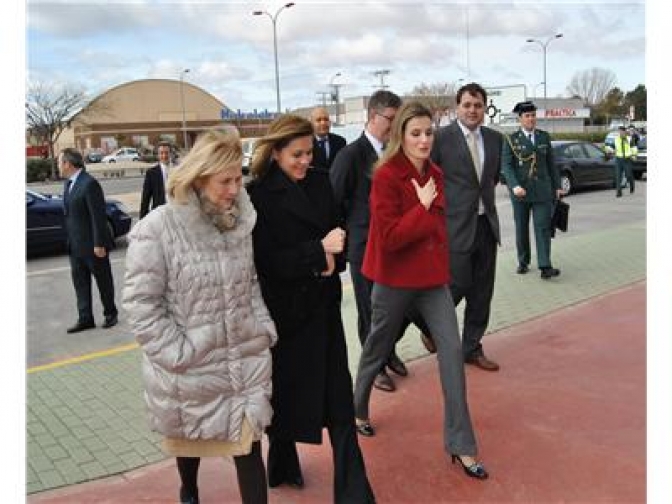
[592,85]
[436,97]
[50,110]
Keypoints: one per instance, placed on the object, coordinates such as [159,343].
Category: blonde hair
[281,132]
[405,113]
[215,151]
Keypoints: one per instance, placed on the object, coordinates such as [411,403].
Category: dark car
[45,222]
[639,163]
[582,164]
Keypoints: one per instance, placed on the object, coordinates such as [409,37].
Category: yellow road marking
[84,358]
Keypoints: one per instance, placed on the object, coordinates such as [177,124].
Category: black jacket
[336,143]
[85,217]
[351,180]
[311,381]
[153,190]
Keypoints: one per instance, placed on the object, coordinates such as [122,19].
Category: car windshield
[642,143]
[35,195]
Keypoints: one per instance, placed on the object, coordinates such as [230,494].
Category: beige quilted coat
[195,307]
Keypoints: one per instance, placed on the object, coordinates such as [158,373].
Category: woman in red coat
[406,258]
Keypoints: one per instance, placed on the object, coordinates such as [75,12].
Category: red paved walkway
[563,421]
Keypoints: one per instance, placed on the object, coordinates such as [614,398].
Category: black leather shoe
[522,269]
[632,189]
[619,194]
[475,470]
[428,341]
[110,321]
[547,273]
[384,382]
[395,364]
[81,326]
[365,429]
[482,362]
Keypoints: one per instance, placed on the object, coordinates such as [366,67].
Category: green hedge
[38,170]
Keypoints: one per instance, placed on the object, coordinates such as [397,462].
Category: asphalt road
[50,295]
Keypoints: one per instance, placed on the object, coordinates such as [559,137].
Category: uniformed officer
[624,152]
[534,185]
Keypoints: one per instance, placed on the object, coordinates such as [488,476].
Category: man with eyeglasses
[350,175]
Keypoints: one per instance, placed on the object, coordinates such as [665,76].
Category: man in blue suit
[89,240]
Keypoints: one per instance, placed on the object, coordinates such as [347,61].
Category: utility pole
[323,95]
[382,74]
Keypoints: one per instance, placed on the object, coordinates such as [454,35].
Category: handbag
[560,218]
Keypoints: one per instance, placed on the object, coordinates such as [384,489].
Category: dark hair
[281,132]
[74,157]
[383,99]
[165,143]
[473,89]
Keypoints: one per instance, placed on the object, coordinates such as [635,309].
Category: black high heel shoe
[296,481]
[475,470]
[365,429]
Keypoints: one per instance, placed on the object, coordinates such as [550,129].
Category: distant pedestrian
[196,310]
[534,186]
[154,186]
[325,144]
[89,240]
[298,249]
[624,153]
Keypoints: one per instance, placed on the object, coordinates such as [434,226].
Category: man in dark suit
[534,185]
[469,155]
[154,187]
[325,144]
[89,240]
[351,180]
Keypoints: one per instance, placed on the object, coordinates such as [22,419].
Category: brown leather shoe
[481,361]
[428,341]
[384,382]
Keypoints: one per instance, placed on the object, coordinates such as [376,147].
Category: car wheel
[566,183]
[638,175]
[136,159]
[111,161]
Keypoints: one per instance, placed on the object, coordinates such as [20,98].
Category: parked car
[95,156]
[45,222]
[582,164]
[123,154]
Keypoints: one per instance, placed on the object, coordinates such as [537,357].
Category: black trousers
[82,268]
[249,470]
[473,279]
[351,485]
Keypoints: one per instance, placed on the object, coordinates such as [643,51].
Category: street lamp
[544,46]
[334,93]
[184,121]
[274,18]
[536,86]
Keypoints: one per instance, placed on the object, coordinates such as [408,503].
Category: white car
[248,149]
[123,154]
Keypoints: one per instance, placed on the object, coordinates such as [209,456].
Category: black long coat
[312,386]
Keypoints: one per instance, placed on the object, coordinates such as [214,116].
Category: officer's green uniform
[531,167]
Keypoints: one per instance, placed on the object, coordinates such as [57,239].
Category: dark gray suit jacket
[153,190]
[336,143]
[85,217]
[462,189]
[350,176]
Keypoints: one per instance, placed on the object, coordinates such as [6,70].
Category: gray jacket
[196,310]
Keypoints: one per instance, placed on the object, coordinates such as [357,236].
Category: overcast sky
[100,44]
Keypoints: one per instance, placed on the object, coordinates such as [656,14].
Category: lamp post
[544,46]
[537,86]
[334,93]
[184,121]
[274,19]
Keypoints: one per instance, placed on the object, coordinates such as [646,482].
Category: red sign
[560,112]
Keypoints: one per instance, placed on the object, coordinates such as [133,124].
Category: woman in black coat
[298,254]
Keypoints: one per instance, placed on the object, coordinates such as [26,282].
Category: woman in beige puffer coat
[196,309]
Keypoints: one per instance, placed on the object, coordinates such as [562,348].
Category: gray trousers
[389,304]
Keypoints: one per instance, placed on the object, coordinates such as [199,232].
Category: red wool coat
[407,245]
